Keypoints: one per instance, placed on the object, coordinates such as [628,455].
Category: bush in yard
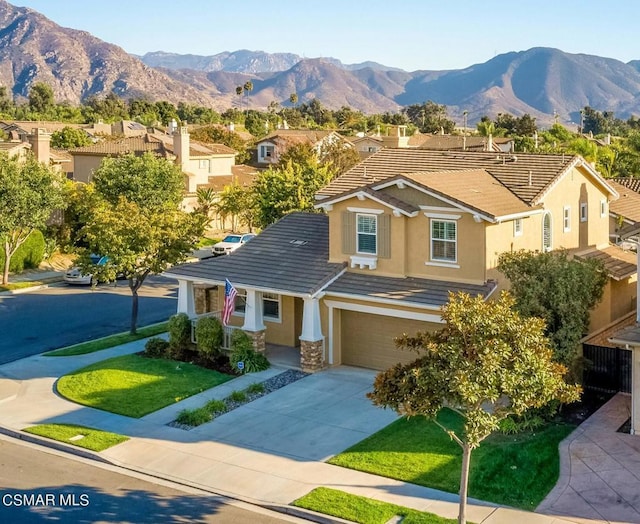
[28,256]
[242,351]
[194,417]
[209,336]
[156,347]
[179,332]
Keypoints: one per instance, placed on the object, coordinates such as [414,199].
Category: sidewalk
[41,278]
[203,459]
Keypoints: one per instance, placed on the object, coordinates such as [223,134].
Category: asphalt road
[78,491]
[62,315]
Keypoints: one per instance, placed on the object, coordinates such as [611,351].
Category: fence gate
[608,369]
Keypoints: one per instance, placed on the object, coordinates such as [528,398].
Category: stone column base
[311,356]
[258,340]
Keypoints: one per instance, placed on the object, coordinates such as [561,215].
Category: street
[62,315]
[40,485]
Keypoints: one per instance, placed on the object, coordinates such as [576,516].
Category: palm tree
[248,87]
[239,93]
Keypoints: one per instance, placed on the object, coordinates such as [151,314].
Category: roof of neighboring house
[629,182]
[618,263]
[242,175]
[628,204]
[420,291]
[11,145]
[28,126]
[195,148]
[297,136]
[60,155]
[289,256]
[123,146]
[630,230]
[456,143]
[527,176]
[629,334]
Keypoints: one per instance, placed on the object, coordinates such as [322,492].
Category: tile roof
[289,256]
[242,175]
[618,262]
[473,188]
[454,142]
[527,176]
[628,204]
[10,145]
[123,146]
[629,182]
[629,335]
[296,136]
[407,291]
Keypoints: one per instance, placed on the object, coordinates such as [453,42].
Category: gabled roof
[618,262]
[406,291]
[527,176]
[628,203]
[368,192]
[135,144]
[297,136]
[242,175]
[289,256]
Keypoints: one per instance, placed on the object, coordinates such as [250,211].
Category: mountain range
[541,81]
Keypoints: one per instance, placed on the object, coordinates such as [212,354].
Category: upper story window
[267,152]
[444,240]
[517,227]
[204,164]
[603,208]
[566,219]
[547,239]
[366,234]
[583,212]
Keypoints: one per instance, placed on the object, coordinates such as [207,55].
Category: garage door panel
[368,340]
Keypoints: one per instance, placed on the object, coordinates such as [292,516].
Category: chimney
[490,142]
[181,146]
[173,126]
[40,145]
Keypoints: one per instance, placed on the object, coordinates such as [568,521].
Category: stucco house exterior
[271,147]
[400,231]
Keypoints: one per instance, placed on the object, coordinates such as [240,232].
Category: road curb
[22,290]
[293,511]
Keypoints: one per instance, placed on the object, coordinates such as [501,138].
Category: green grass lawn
[362,509]
[93,439]
[12,286]
[135,386]
[514,470]
[108,342]
[205,241]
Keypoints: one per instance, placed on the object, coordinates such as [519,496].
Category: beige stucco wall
[618,299]
[84,166]
[216,165]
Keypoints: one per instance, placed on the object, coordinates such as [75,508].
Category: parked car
[75,275]
[230,243]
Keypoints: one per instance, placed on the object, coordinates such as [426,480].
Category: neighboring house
[271,147]
[402,229]
[626,210]
[367,145]
[202,164]
[37,142]
[467,143]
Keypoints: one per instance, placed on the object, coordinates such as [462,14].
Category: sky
[409,34]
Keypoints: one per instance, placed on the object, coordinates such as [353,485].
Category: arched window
[546,232]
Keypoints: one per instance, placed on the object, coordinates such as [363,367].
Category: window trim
[242,294]
[278,300]
[374,235]
[584,212]
[518,227]
[432,258]
[566,219]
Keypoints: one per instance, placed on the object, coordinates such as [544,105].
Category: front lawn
[362,509]
[135,386]
[108,342]
[81,436]
[514,470]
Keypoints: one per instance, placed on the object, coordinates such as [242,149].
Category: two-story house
[399,232]
[271,147]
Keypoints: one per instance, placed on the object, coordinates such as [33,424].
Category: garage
[367,339]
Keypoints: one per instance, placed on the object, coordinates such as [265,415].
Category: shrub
[513,424]
[179,332]
[209,335]
[253,361]
[194,417]
[28,256]
[238,396]
[215,406]
[156,347]
[254,388]
[240,340]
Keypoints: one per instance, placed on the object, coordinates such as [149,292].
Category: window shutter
[348,233]
[384,236]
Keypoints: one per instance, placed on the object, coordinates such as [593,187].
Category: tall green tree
[29,192]
[430,117]
[488,362]
[133,217]
[558,289]
[41,98]
[69,137]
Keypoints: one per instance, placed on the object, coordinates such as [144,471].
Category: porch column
[635,391]
[254,319]
[186,300]
[311,338]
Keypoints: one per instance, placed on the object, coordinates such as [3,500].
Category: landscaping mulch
[577,412]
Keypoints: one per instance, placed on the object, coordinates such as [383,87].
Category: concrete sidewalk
[41,278]
[267,452]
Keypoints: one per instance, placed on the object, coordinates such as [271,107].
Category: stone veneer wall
[206,299]
[258,340]
[311,355]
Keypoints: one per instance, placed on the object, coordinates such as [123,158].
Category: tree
[133,218]
[558,289]
[29,192]
[41,98]
[248,87]
[69,137]
[293,98]
[430,117]
[487,363]
[213,134]
[236,202]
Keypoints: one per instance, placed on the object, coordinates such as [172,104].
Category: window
[583,212]
[566,219]
[270,305]
[547,243]
[366,234]
[517,227]
[443,240]
[204,164]
[603,208]
[266,152]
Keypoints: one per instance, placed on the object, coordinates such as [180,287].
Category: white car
[75,275]
[230,243]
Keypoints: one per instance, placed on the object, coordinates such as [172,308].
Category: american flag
[230,293]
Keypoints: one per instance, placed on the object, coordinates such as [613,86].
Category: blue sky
[410,34]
